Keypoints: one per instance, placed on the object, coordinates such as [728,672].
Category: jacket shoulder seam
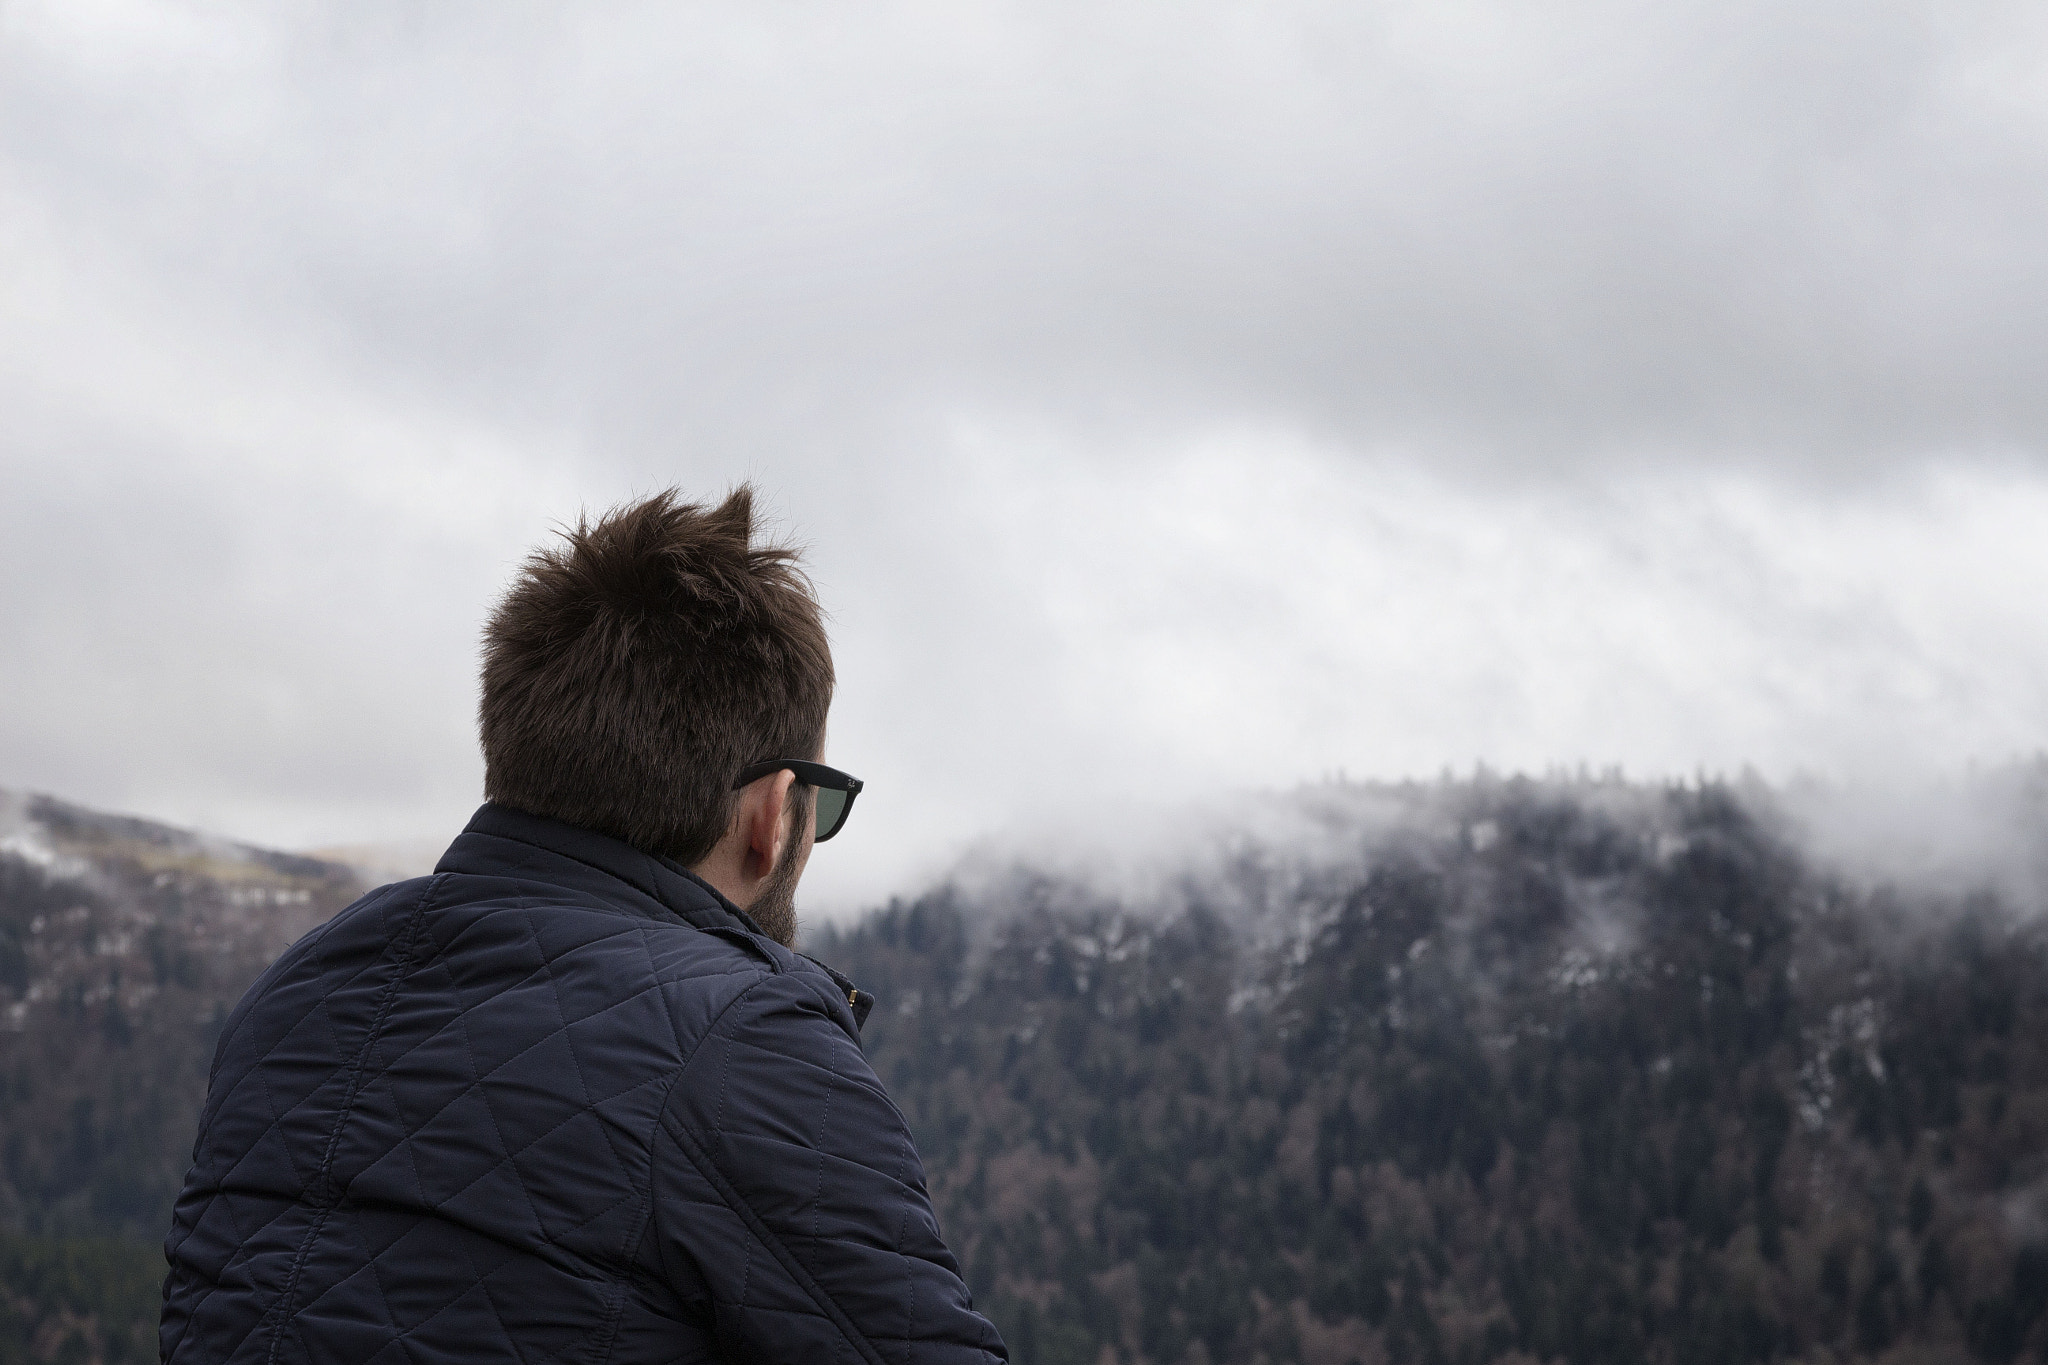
[668,1097]
[324,1197]
[686,1141]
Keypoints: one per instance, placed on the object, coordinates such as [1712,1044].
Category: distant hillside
[1505,1072]
[1472,1072]
[123,945]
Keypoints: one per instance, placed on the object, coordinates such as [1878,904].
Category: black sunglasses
[836,789]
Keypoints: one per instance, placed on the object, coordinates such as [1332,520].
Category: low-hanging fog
[1175,402]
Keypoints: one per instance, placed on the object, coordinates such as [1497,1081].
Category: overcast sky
[1174,397]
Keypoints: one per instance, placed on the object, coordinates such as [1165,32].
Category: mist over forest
[1482,1070]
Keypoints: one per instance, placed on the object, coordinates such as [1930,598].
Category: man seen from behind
[574,1097]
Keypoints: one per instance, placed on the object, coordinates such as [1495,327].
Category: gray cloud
[1810,236]
[1172,396]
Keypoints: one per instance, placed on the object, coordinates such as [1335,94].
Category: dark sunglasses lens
[831,810]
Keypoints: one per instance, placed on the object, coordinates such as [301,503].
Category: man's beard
[775,908]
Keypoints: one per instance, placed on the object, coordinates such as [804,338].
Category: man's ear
[762,810]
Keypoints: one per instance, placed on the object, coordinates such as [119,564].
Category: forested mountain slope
[1487,1071]
[1581,1073]
[123,945]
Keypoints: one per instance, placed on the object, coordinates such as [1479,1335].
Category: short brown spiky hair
[631,672]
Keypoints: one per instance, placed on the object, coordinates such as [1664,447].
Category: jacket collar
[500,841]
[503,842]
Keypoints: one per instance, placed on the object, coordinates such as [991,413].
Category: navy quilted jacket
[560,1101]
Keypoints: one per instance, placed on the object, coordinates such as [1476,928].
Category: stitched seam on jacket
[655,1128]
[310,942]
[909,1274]
[818,1189]
[766,1237]
[215,1279]
[212,1108]
[608,1336]
[389,994]
[762,1233]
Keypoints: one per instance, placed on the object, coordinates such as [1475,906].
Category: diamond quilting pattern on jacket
[439,1131]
